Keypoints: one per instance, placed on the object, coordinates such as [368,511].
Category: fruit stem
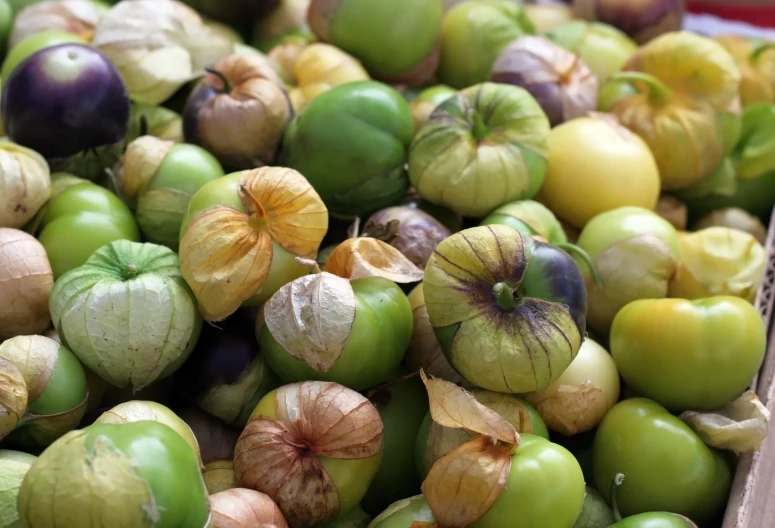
[479,130]
[309,263]
[226,84]
[615,483]
[658,93]
[504,296]
[574,251]
[759,50]
[130,272]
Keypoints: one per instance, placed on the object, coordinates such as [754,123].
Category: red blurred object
[761,13]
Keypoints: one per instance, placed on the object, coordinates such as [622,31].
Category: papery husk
[424,351]
[329,420]
[718,261]
[740,426]
[318,68]
[537,217]
[702,88]
[674,211]
[157,46]
[242,124]
[356,258]
[288,16]
[639,267]
[160,122]
[283,59]
[139,411]
[59,182]
[14,465]
[139,164]
[311,318]
[25,184]
[26,281]
[757,67]
[547,16]
[734,218]
[244,508]
[78,17]
[414,510]
[226,255]
[219,476]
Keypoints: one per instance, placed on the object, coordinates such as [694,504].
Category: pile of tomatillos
[378,264]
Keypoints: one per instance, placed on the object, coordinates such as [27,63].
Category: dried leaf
[464,484]
[452,406]
[356,258]
[311,318]
[740,426]
[223,260]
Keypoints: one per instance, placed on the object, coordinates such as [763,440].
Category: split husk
[25,184]
[244,508]
[317,419]
[26,280]
[157,46]
[281,208]
[78,17]
[360,257]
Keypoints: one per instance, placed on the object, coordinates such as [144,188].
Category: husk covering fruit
[79,17]
[25,184]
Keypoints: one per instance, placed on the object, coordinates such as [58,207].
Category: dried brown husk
[311,318]
[740,426]
[26,280]
[244,508]
[244,123]
[424,351]
[360,257]
[139,164]
[157,46]
[219,476]
[25,184]
[674,211]
[78,17]
[326,419]
[226,255]
[559,79]
[734,218]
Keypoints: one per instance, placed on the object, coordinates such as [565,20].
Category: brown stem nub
[226,84]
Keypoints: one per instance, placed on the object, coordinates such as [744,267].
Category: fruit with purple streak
[641,19]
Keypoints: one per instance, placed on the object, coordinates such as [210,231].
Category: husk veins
[360,257]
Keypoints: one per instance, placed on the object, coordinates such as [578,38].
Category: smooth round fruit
[32,44]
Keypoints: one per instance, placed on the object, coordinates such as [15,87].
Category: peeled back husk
[25,184]
[718,261]
[78,17]
[157,46]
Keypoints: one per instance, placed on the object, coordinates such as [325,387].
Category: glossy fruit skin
[372,352]
[554,497]
[402,407]
[655,520]
[225,191]
[697,355]
[666,465]
[76,91]
[351,144]
[32,44]
[79,221]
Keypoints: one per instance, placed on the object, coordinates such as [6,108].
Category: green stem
[659,94]
[226,84]
[759,50]
[615,483]
[574,250]
[479,129]
[504,296]
[130,272]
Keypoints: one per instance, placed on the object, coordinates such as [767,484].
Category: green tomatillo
[127,313]
[158,178]
[351,143]
[133,474]
[327,328]
[482,148]
[403,513]
[44,391]
[668,467]
[645,520]
[509,311]
[80,220]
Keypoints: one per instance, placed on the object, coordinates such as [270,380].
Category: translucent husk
[244,508]
[157,46]
[734,218]
[756,62]
[139,164]
[360,257]
[25,184]
[78,17]
[14,465]
[138,411]
[718,261]
[313,418]
[219,476]
[226,255]
[25,284]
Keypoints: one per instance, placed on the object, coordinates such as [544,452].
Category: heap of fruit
[384,264]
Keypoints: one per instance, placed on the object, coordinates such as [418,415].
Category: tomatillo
[668,466]
[697,355]
[80,220]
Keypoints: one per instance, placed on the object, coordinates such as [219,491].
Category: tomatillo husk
[242,234]
[690,106]
[14,465]
[157,121]
[78,17]
[558,79]
[404,513]
[43,391]
[127,313]
[487,282]
[426,102]
[289,19]
[595,513]
[474,154]
[643,20]
[718,261]
[736,219]
[133,474]
[756,60]
[219,476]
[25,284]
[245,508]
[674,211]
[25,184]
